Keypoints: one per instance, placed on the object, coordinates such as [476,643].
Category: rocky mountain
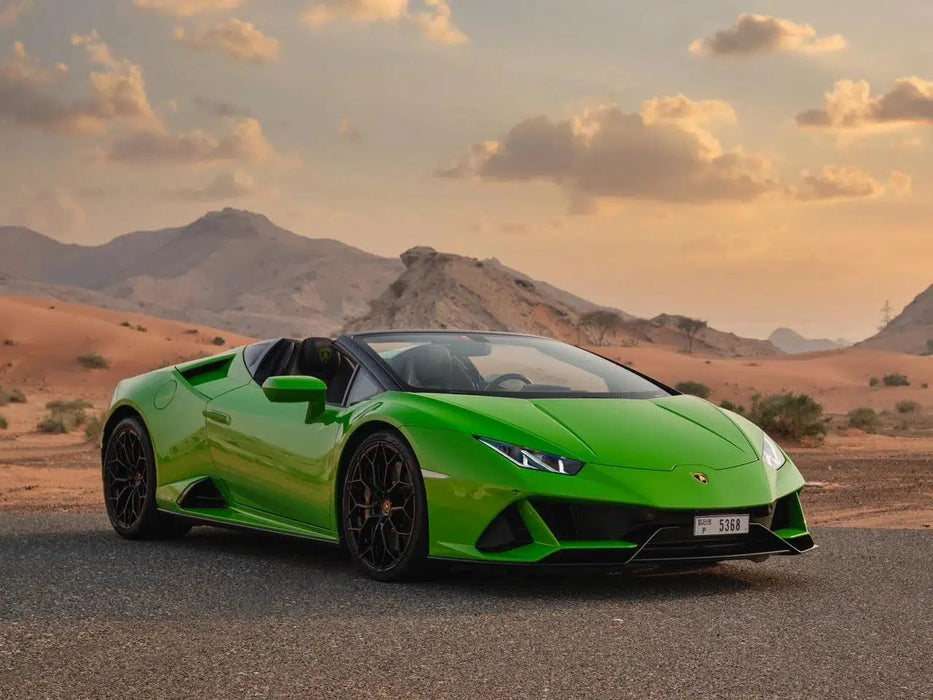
[790,341]
[230,269]
[441,290]
[910,331]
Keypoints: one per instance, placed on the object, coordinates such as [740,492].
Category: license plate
[720,525]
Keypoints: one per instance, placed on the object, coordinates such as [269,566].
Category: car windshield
[504,365]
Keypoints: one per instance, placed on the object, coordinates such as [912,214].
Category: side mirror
[294,389]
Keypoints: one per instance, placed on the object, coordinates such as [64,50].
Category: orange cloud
[850,106]
[834,182]
[753,34]
[189,8]
[245,143]
[433,22]
[235,38]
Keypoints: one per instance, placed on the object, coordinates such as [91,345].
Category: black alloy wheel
[384,509]
[129,479]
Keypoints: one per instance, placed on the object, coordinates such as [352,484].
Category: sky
[753,164]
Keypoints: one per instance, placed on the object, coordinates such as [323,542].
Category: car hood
[657,434]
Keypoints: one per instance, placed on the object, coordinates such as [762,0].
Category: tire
[384,514]
[128,472]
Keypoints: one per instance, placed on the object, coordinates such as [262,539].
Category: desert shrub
[190,331]
[895,379]
[126,324]
[93,428]
[142,329]
[9,342]
[693,388]
[73,405]
[793,416]
[873,381]
[93,360]
[64,416]
[218,341]
[734,407]
[924,385]
[3,424]
[602,322]
[863,418]
[12,396]
[906,407]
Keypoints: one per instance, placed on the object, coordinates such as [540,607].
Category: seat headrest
[430,366]
[316,357]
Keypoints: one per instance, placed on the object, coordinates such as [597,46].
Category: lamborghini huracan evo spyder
[477,446]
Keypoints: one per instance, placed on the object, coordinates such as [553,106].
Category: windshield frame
[360,341]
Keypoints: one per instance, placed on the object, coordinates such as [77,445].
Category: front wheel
[129,477]
[384,518]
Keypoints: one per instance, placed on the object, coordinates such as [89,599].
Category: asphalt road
[221,614]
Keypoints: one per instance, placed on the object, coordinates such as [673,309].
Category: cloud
[850,106]
[433,21]
[682,109]
[225,186]
[118,91]
[235,38]
[752,34]
[900,184]
[245,143]
[349,132]
[55,211]
[190,8]
[606,153]
[220,108]
[834,182]
[12,10]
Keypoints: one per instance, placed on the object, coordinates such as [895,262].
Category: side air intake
[202,495]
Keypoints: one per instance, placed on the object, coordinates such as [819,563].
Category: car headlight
[771,454]
[533,459]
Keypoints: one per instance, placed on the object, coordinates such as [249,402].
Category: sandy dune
[837,378]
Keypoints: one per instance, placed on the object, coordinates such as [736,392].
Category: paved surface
[219,614]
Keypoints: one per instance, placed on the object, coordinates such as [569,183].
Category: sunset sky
[754,164]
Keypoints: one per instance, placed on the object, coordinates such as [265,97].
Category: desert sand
[854,479]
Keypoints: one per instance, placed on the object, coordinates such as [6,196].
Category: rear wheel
[129,477]
[384,519]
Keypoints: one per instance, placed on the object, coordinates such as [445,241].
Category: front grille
[572,521]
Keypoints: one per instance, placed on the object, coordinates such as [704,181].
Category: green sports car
[406,446]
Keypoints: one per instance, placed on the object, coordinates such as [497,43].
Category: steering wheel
[496,383]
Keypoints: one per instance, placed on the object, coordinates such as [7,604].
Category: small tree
[690,327]
[895,379]
[601,322]
[794,416]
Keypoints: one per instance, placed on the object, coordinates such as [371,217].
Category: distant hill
[910,331]
[442,290]
[230,269]
[790,341]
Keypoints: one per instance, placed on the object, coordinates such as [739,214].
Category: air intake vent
[206,371]
[202,495]
[507,531]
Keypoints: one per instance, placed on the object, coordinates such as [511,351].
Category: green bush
[93,428]
[3,424]
[64,416]
[734,407]
[873,381]
[218,340]
[12,396]
[906,407]
[792,416]
[693,388]
[126,324]
[864,419]
[93,360]
[895,379]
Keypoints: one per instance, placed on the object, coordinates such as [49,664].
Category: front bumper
[563,532]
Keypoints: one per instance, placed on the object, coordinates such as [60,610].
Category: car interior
[311,357]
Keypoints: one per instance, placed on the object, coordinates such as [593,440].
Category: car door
[271,459]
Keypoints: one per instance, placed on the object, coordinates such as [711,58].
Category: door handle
[216,416]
